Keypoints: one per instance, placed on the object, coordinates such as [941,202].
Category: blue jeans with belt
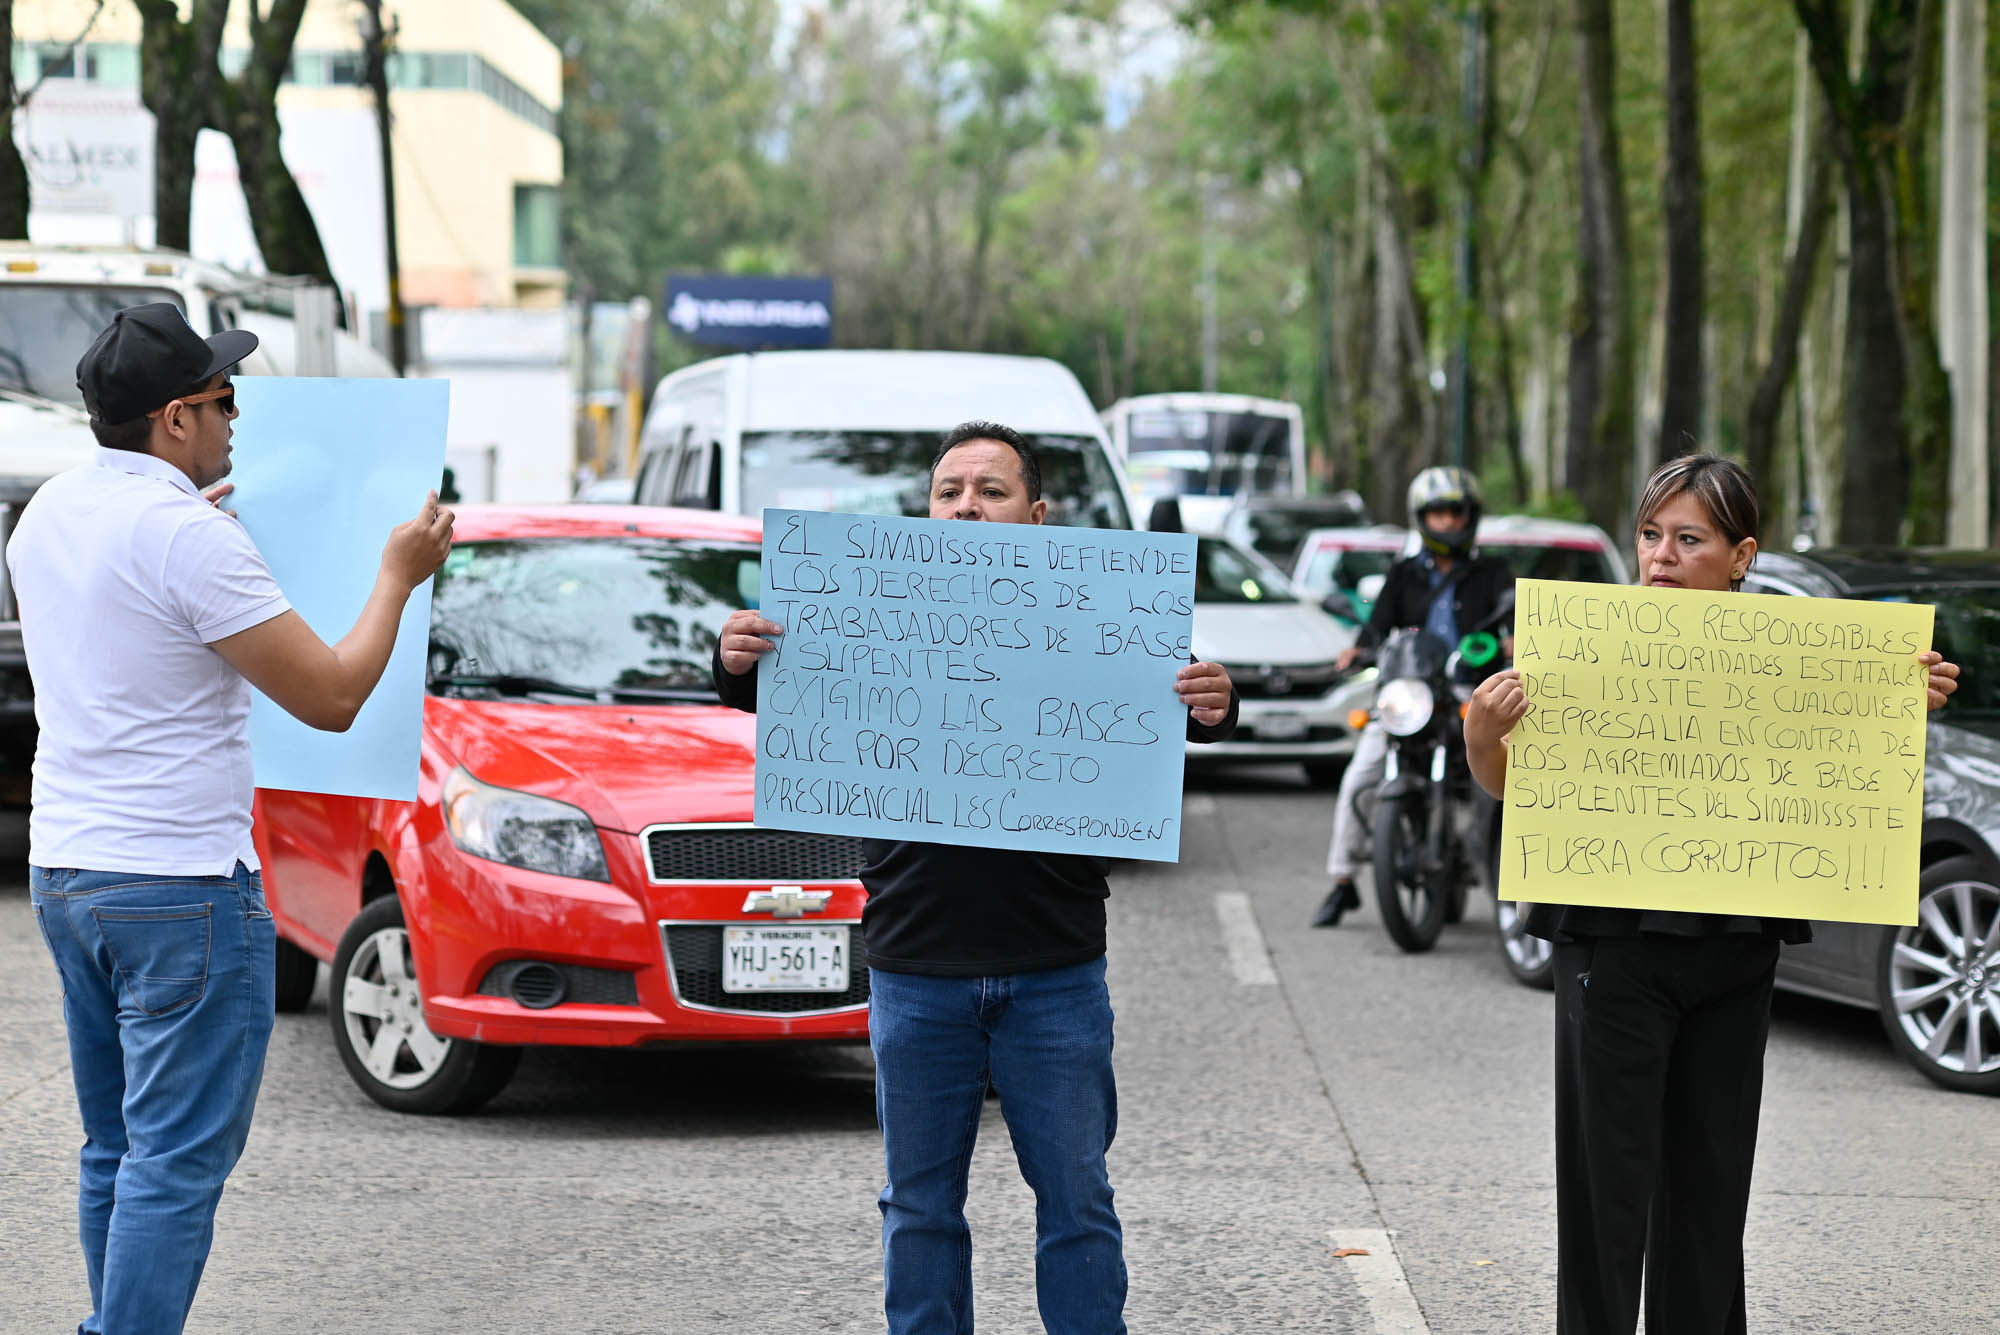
[1044,1039]
[167,986]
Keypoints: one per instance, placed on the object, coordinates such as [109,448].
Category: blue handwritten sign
[323,470]
[1001,685]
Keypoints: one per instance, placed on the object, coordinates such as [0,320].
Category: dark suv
[1936,985]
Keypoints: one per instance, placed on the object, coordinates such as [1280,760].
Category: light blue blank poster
[323,470]
[1003,685]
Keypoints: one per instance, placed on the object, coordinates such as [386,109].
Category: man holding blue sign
[987,964]
[147,614]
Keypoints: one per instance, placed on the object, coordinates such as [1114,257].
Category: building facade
[475,94]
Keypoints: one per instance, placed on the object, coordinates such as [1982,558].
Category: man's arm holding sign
[325,686]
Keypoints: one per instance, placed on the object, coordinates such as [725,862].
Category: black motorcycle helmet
[1437,488]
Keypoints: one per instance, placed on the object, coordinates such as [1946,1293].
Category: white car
[1548,549]
[1348,561]
[1280,650]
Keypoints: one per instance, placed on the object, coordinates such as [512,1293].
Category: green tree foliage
[991,174]
[670,108]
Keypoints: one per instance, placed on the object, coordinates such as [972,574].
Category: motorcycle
[1435,828]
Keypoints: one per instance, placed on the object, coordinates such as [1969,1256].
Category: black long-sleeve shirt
[958,911]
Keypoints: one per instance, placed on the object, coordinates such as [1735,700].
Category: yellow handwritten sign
[1716,753]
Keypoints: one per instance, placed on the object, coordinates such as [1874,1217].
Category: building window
[537,226]
[63,61]
[345,68]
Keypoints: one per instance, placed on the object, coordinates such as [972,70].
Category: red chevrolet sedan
[579,866]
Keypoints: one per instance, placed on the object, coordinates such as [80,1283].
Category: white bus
[1206,450]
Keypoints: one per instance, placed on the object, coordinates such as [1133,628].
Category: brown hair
[1722,486]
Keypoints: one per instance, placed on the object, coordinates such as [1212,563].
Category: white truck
[53,302]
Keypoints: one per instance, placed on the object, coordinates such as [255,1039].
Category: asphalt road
[1281,1088]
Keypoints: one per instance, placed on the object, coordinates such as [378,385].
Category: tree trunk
[1767,397]
[1868,117]
[1681,376]
[177,79]
[1964,317]
[1598,451]
[1914,268]
[13,171]
[287,236]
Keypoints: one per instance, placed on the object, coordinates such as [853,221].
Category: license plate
[784,959]
[1281,727]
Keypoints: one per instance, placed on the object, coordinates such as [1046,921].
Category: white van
[856,432]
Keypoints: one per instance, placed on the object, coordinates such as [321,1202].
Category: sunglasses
[223,398]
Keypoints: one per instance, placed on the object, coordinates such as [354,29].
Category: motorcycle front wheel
[1412,904]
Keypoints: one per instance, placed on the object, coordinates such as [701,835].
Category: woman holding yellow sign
[1661,1017]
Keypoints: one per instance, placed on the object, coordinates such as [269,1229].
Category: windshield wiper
[512,684]
[697,695]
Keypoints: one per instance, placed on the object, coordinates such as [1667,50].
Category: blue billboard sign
[729,312]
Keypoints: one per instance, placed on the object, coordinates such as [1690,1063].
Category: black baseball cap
[149,354]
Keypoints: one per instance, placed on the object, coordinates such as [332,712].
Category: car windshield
[1547,561]
[586,618]
[1277,530]
[45,327]
[889,473]
[1967,633]
[1210,453]
[1332,567]
[1223,574]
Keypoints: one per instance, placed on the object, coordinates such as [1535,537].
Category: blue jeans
[167,986]
[1045,1040]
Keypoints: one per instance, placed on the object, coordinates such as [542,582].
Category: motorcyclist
[1446,588]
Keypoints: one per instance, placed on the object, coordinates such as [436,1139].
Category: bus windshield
[1208,453]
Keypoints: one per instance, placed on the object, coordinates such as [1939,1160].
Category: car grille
[746,853]
[696,952]
[594,987]
[1307,682]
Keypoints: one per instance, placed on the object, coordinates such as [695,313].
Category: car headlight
[521,829]
[1403,705]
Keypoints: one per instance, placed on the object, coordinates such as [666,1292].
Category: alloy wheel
[1528,956]
[1944,978]
[384,1013]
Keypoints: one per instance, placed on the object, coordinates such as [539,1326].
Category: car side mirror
[1338,604]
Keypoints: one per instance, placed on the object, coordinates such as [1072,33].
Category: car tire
[1937,984]
[298,974]
[372,992]
[1324,773]
[1530,959]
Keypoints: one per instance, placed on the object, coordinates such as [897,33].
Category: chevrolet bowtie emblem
[786,901]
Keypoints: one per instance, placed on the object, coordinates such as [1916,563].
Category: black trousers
[1659,1073]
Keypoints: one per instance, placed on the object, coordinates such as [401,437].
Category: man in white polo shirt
[147,615]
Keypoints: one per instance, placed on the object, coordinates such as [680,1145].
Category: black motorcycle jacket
[1475,585]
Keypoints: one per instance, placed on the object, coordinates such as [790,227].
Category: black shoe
[1338,901]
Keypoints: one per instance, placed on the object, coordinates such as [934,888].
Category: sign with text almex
[1001,685]
[1718,753]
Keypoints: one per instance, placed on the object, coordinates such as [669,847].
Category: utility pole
[376,43]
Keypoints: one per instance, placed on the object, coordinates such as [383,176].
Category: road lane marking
[1392,1308]
[1198,804]
[1249,957]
